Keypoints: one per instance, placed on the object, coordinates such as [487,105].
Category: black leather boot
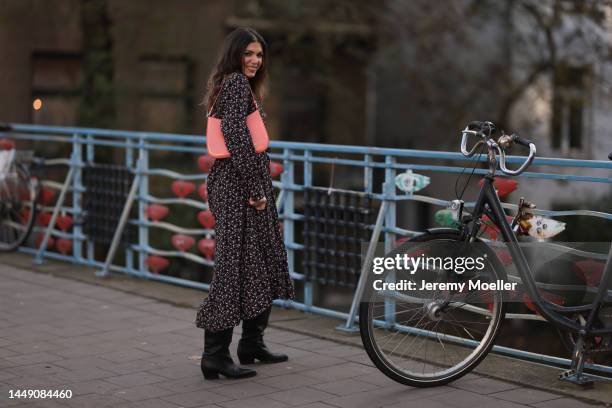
[216,358]
[251,346]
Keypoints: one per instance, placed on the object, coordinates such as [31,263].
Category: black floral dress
[250,259]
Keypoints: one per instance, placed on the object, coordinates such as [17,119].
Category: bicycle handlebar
[526,163]
[476,128]
[525,142]
[482,126]
[465,134]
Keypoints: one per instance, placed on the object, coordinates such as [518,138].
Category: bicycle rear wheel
[18,194]
[431,337]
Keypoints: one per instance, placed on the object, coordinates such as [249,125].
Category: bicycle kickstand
[575,374]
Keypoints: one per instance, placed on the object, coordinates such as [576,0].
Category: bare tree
[552,33]
[487,53]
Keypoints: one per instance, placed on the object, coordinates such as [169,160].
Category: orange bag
[215,142]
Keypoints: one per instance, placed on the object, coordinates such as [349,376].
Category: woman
[250,259]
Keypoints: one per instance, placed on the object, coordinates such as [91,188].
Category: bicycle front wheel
[18,194]
[439,330]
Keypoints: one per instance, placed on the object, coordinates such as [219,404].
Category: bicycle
[437,334]
[19,192]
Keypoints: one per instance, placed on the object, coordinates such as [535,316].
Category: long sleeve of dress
[236,100]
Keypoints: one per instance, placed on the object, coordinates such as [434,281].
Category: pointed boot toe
[213,366]
[248,353]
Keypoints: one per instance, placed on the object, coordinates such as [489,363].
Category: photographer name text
[404,284]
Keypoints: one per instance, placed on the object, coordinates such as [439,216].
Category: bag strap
[253,96]
[217,96]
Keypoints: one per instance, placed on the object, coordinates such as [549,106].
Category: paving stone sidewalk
[119,350]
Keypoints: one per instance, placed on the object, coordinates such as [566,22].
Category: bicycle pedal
[581,379]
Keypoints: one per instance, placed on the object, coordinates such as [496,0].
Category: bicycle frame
[488,203]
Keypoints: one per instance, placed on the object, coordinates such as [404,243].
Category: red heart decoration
[43,218]
[207,219]
[156,212]
[46,195]
[64,222]
[6,144]
[207,247]
[64,245]
[275,169]
[205,162]
[202,192]
[182,242]
[156,263]
[39,239]
[182,188]
[504,186]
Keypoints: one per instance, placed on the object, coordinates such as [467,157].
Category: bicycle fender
[439,230]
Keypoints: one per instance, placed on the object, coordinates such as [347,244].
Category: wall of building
[27,27]
[154,42]
[163,52]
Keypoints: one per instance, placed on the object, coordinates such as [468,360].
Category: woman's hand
[260,204]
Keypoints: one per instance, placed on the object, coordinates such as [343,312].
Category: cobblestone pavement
[121,350]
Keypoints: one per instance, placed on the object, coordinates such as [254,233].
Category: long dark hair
[230,60]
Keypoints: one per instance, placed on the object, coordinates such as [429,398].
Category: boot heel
[246,359]
[211,375]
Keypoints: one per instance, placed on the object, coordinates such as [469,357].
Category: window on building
[56,78]
[166,94]
[569,107]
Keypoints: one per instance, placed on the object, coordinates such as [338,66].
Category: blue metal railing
[297,159]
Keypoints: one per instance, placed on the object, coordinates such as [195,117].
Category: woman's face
[252,59]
